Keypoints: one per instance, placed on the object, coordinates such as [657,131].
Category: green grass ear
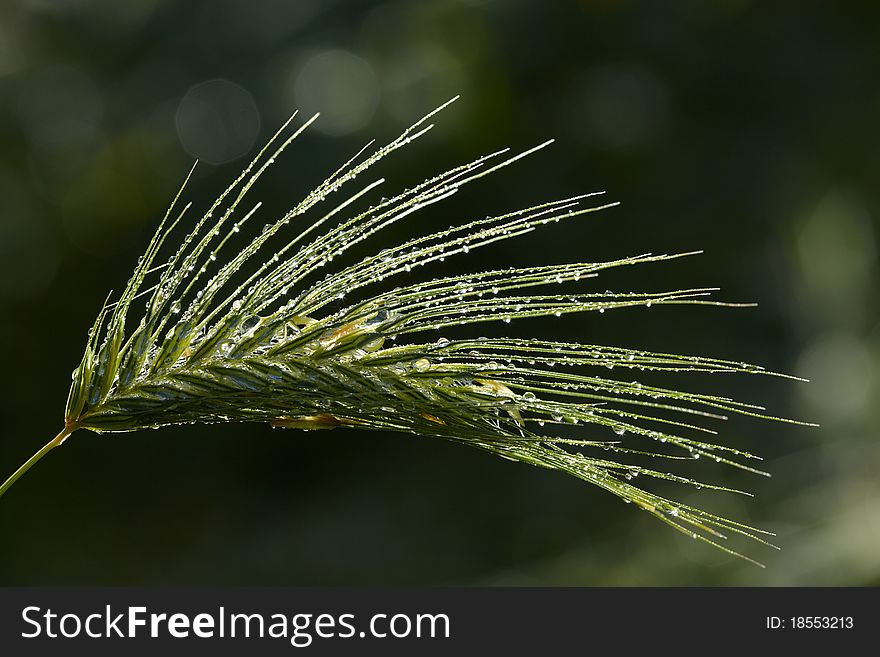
[283,348]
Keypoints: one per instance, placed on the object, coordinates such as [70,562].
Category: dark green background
[748,129]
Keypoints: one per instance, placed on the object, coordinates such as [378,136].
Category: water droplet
[529,396]
[422,365]
[250,323]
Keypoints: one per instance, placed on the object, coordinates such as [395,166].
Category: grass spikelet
[260,334]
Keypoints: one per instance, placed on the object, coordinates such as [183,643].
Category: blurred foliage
[743,128]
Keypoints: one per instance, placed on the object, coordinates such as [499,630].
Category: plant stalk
[48,447]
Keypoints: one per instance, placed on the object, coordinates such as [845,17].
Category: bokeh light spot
[836,248]
[340,85]
[217,121]
[841,370]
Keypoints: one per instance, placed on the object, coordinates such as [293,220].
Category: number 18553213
[810,623]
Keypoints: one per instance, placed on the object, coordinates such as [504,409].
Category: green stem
[48,447]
